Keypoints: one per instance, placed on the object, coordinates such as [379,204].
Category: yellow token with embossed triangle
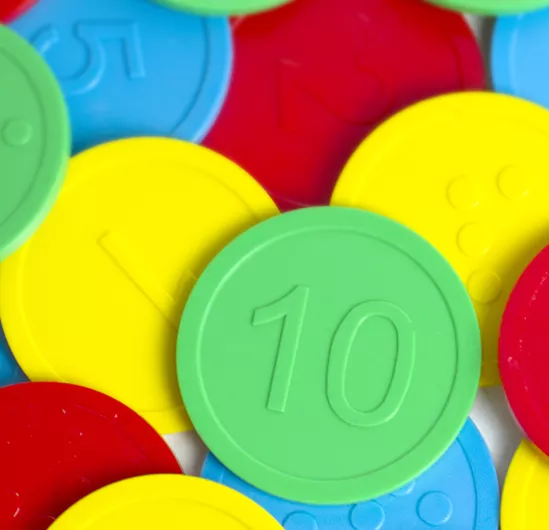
[95,297]
[468,172]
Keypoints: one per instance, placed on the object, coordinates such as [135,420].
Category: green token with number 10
[329,355]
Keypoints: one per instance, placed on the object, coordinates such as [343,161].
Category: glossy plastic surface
[10,372]
[223,7]
[10,9]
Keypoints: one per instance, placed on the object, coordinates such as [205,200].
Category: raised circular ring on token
[60,442]
[10,9]
[223,7]
[468,173]
[95,298]
[309,106]
[523,347]
[520,50]
[524,501]
[492,7]
[132,68]
[165,501]
[34,141]
[470,501]
[10,373]
[322,328]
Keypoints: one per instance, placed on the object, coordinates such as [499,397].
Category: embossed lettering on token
[60,442]
[323,328]
[484,210]
[34,141]
[314,77]
[131,67]
[95,298]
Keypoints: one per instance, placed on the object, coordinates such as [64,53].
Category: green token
[329,355]
[492,7]
[34,140]
[223,7]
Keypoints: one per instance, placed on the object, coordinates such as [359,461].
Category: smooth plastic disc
[469,501]
[60,442]
[95,298]
[520,48]
[165,502]
[10,9]
[34,141]
[523,348]
[131,67]
[10,373]
[524,501]
[313,78]
[492,7]
[326,328]
[469,173]
[223,7]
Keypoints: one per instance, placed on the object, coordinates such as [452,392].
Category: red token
[524,350]
[60,442]
[10,9]
[313,78]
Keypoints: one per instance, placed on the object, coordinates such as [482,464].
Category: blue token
[520,56]
[132,67]
[459,492]
[10,373]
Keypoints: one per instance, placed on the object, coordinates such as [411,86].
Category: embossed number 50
[291,309]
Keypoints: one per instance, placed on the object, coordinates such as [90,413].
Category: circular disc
[60,442]
[10,9]
[468,173]
[323,328]
[470,501]
[223,7]
[165,501]
[524,501]
[492,7]
[132,68]
[520,46]
[34,141]
[10,373]
[313,78]
[523,347]
[95,298]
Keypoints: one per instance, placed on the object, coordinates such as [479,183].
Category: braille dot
[474,239]
[435,508]
[513,182]
[367,516]
[300,521]
[484,286]
[463,193]
[17,133]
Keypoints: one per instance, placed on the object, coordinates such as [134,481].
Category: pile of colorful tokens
[308,230]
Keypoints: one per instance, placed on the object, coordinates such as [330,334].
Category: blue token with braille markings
[132,67]
[459,492]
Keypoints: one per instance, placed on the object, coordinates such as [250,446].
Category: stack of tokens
[304,229]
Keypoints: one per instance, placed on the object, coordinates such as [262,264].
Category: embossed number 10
[291,309]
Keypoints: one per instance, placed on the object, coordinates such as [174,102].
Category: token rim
[224,7]
[491,7]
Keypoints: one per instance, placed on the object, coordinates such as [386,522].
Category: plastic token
[322,328]
[469,501]
[523,347]
[520,47]
[492,7]
[468,173]
[60,442]
[10,373]
[34,141]
[131,67]
[9,9]
[165,501]
[309,106]
[223,7]
[524,502]
[95,298]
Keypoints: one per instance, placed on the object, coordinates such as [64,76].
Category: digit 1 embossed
[339,358]
[291,310]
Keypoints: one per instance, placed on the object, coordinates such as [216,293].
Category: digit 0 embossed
[291,310]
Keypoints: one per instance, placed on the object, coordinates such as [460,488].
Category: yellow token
[165,502]
[96,296]
[468,172]
[524,503]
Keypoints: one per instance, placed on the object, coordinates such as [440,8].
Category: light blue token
[132,67]
[10,373]
[460,492]
[520,56]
